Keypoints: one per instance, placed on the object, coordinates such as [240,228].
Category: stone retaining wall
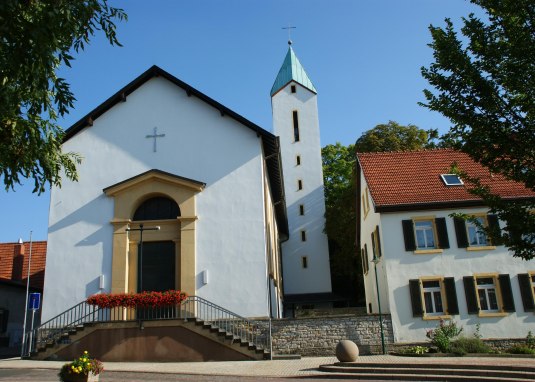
[318,336]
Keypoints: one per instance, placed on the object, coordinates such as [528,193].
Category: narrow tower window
[301,209]
[303,236]
[299,184]
[296,126]
[298,160]
[304,261]
[293,89]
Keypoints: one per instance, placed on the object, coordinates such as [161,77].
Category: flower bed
[81,369]
[132,300]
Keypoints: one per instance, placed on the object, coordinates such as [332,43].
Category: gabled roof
[411,180]
[291,70]
[270,142]
[14,263]
[154,174]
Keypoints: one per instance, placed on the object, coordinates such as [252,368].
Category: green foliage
[395,137]
[37,38]
[443,334]
[340,217]
[419,350]
[484,83]
[521,350]
[469,345]
[530,340]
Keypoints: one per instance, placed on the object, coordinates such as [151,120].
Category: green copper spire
[291,70]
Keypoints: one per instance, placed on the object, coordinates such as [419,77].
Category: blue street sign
[34,301]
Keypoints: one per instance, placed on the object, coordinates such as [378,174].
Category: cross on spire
[154,136]
[289,33]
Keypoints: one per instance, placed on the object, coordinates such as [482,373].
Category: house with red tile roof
[421,264]
[14,263]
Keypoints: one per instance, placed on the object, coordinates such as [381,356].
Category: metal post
[27,292]
[31,334]
[375,261]
[141,257]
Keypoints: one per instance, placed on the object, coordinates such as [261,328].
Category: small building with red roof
[14,263]
[422,263]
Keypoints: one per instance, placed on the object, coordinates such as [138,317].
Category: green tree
[395,137]
[484,82]
[37,38]
[339,186]
[341,198]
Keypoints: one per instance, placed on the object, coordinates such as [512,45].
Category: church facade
[176,191]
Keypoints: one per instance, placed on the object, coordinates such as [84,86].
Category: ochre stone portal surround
[128,196]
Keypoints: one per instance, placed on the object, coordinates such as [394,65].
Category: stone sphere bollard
[347,351]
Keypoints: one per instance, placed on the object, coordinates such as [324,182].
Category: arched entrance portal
[154,198]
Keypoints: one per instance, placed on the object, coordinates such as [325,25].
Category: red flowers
[131,300]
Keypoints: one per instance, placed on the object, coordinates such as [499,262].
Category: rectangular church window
[301,209]
[299,184]
[296,126]
[303,236]
[304,262]
[298,160]
[293,88]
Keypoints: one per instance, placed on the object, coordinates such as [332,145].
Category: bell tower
[305,255]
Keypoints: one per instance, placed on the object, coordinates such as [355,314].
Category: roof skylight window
[451,180]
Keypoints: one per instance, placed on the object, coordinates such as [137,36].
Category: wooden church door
[156,270]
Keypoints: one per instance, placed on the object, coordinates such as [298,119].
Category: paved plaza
[301,368]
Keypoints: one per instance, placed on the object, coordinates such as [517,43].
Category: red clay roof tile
[413,177]
[15,268]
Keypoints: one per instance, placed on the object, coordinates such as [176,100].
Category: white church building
[232,229]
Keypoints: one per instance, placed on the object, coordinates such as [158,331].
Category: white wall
[453,262]
[198,144]
[316,278]
[368,223]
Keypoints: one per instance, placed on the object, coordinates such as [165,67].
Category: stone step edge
[477,372]
[421,378]
[402,365]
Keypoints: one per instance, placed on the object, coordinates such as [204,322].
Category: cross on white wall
[154,136]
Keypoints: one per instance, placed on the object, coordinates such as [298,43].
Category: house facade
[15,267]
[423,264]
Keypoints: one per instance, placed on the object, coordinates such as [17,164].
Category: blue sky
[363,56]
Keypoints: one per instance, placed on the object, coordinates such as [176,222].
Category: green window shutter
[507,293]
[471,295]
[451,295]
[416,298]
[442,232]
[460,232]
[408,235]
[379,251]
[524,281]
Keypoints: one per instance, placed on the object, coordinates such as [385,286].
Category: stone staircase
[198,327]
[419,371]
[210,331]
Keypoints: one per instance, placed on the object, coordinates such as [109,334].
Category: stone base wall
[318,336]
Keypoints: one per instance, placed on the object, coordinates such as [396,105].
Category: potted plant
[82,369]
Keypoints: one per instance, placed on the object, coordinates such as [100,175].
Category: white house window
[432,293]
[476,236]
[425,234]
[433,297]
[486,292]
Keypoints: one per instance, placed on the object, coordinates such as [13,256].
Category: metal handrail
[55,330]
